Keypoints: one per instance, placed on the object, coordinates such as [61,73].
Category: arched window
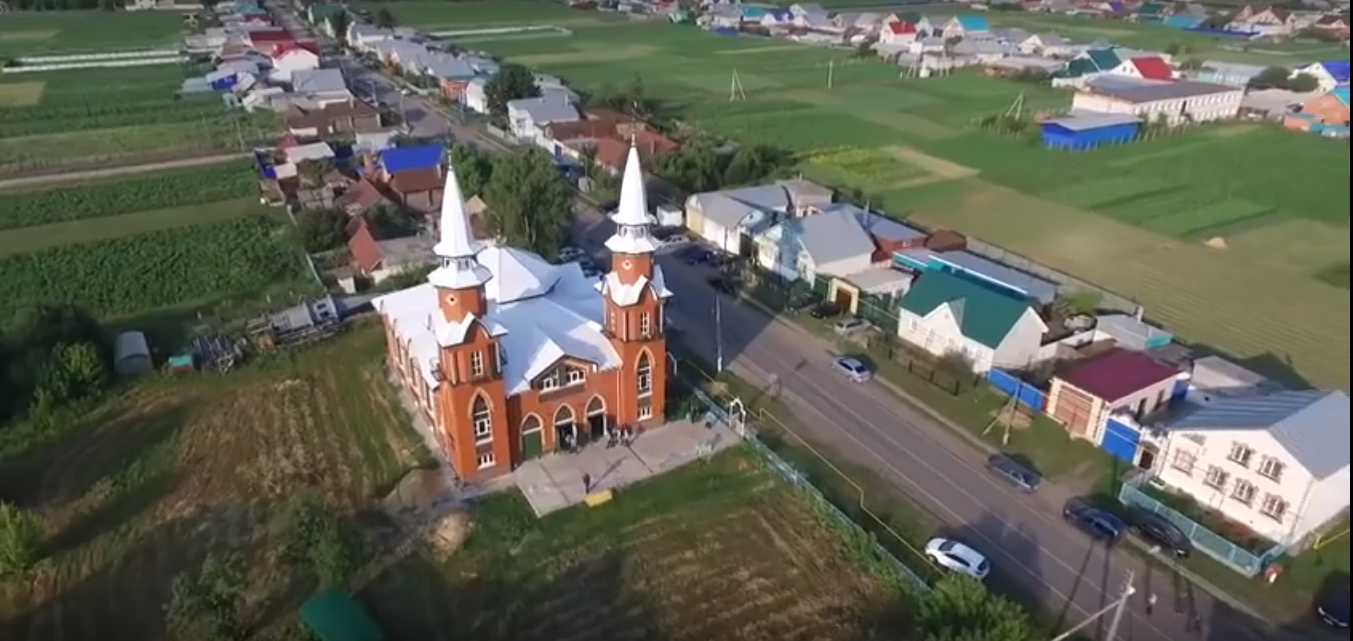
[644,374]
[596,406]
[482,419]
[531,424]
[563,415]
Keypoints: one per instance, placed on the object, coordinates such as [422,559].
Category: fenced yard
[1248,563]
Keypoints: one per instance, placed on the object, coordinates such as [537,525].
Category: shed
[1103,399]
[1084,130]
[335,616]
[131,354]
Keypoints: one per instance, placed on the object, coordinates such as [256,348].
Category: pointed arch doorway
[532,437]
[596,419]
[565,427]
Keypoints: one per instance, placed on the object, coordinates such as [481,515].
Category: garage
[1073,409]
[1121,440]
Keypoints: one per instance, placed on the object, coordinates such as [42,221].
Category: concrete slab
[555,481]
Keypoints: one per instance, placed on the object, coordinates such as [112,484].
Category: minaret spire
[457,246]
[632,220]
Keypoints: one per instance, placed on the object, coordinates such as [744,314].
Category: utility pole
[718,334]
[1118,606]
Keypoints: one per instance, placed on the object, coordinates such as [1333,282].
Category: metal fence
[1011,385]
[800,480]
[1205,540]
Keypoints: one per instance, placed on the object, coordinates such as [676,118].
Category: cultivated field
[1182,224]
[128,245]
[174,468]
[439,16]
[723,551]
[90,117]
[69,32]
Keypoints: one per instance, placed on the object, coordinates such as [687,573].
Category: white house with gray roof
[528,117]
[725,217]
[1277,463]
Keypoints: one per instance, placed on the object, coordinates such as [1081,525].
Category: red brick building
[508,356]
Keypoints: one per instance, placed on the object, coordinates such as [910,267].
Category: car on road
[1333,606]
[1017,475]
[847,326]
[1100,525]
[1157,529]
[854,369]
[570,254]
[673,241]
[696,256]
[957,558]
[723,285]
[825,310]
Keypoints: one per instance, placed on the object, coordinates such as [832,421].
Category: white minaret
[632,220]
[457,247]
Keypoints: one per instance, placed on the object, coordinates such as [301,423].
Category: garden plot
[21,94]
[69,32]
[1294,244]
[174,468]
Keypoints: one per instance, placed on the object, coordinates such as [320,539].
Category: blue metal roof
[974,23]
[410,158]
[1337,69]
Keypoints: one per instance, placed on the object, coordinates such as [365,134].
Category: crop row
[93,115]
[144,192]
[132,274]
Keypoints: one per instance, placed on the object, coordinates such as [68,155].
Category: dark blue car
[1100,525]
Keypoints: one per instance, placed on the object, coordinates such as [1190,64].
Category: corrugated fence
[1011,385]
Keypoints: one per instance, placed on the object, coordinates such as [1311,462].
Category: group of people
[615,436]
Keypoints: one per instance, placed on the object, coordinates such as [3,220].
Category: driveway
[1028,543]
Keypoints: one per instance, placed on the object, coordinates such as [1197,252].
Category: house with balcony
[1277,463]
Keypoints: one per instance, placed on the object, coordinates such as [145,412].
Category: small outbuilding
[1083,130]
[131,354]
[335,616]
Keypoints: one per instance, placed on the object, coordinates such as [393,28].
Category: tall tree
[384,18]
[512,82]
[961,609]
[530,206]
[696,167]
[473,169]
[339,23]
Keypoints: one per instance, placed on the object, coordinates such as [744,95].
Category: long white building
[1177,102]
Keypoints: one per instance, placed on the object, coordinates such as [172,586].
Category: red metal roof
[1153,68]
[901,28]
[269,36]
[1117,374]
[366,252]
[281,48]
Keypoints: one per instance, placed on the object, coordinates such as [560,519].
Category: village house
[1120,386]
[944,314]
[730,218]
[1329,73]
[1086,66]
[1327,112]
[412,175]
[1046,44]
[965,27]
[291,57]
[897,33]
[360,199]
[1276,462]
[1226,73]
[319,121]
[1264,20]
[320,86]
[528,117]
[377,259]
[1178,102]
[508,356]
[1145,68]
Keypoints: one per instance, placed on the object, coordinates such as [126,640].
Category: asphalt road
[1024,536]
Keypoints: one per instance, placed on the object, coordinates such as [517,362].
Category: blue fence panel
[1024,393]
[799,480]
[1205,540]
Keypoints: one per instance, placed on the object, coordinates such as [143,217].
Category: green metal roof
[1104,59]
[984,315]
[1077,68]
[1150,9]
[335,616]
[909,16]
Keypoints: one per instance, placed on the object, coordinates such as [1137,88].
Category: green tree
[473,169]
[961,609]
[749,164]
[587,157]
[72,372]
[696,167]
[530,204]
[384,18]
[29,350]
[206,604]
[318,539]
[339,23]
[320,231]
[512,82]
[20,540]
[313,171]
[1303,83]
[1271,78]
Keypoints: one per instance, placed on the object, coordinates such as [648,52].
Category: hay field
[723,551]
[66,32]
[174,468]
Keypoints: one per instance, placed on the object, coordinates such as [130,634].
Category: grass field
[438,16]
[65,32]
[1133,219]
[114,115]
[175,468]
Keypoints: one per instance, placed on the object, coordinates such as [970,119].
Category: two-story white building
[1277,463]
[528,117]
[945,313]
[1175,102]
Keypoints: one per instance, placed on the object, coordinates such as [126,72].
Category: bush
[206,605]
[20,540]
[320,541]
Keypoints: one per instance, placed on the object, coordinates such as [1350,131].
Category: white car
[957,558]
[854,370]
[570,254]
[850,325]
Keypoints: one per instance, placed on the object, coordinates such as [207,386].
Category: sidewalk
[1052,495]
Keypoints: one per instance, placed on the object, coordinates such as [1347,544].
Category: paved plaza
[555,481]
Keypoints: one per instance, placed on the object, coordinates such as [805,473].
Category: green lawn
[435,16]
[172,468]
[68,32]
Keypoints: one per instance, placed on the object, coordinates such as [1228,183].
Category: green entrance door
[531,444]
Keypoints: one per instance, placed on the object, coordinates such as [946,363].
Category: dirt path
[91,174]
